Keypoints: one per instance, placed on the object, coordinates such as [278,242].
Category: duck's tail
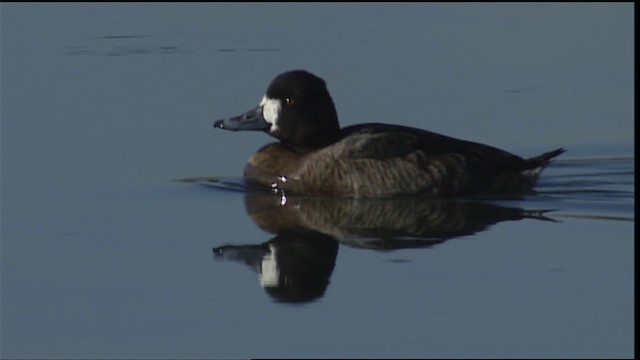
[543,160]
[538,163]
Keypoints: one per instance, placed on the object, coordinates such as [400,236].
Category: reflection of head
[294,266]
[299,265]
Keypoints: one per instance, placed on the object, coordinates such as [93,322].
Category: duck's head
[296,109]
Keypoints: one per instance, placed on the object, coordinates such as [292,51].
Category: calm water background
[102,106]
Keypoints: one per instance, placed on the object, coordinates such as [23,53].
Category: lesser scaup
[314,156]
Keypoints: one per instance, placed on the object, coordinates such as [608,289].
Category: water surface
[104,255]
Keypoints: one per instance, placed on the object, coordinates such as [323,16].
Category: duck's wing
[379,141]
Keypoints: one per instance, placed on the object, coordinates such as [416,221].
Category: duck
[314,156]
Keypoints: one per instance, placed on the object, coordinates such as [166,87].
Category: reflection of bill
[296,265]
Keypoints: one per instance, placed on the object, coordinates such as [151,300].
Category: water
[105,255]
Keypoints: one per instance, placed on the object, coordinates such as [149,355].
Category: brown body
[392,163]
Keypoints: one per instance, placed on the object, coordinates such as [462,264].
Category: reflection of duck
[377,223]
[314,156]
[296,265]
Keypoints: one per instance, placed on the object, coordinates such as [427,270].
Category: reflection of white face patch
[269,274]
[271,111]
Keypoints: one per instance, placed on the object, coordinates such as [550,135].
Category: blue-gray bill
[251,120]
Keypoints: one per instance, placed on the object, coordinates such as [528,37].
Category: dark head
[296,109]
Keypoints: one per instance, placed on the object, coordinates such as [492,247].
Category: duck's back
[431,144]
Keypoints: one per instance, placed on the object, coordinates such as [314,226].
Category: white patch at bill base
[271,111]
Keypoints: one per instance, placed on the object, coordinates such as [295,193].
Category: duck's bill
[251,120]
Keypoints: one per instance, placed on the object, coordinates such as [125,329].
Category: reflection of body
[396,223]
[314,156]
[296,264]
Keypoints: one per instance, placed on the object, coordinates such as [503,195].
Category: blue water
[105,255]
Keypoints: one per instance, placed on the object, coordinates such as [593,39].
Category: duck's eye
[289,101]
